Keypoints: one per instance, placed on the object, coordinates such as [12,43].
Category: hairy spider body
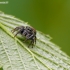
[28,32]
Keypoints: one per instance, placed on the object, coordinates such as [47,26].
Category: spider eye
[28,29]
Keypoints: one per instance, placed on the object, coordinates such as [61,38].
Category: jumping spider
[28,32]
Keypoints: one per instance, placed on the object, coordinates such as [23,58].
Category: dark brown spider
[28,32]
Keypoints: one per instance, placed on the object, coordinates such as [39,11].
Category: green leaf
[15,55]
[1,68]
[0,65]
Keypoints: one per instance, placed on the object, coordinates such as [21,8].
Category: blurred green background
[49,16]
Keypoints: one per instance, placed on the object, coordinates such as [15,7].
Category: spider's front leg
[35,39]
[31,43]
[32,38]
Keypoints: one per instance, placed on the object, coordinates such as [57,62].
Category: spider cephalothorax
[28,32]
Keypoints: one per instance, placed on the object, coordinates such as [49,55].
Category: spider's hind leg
[16,33]
[19,29]
[15,29]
